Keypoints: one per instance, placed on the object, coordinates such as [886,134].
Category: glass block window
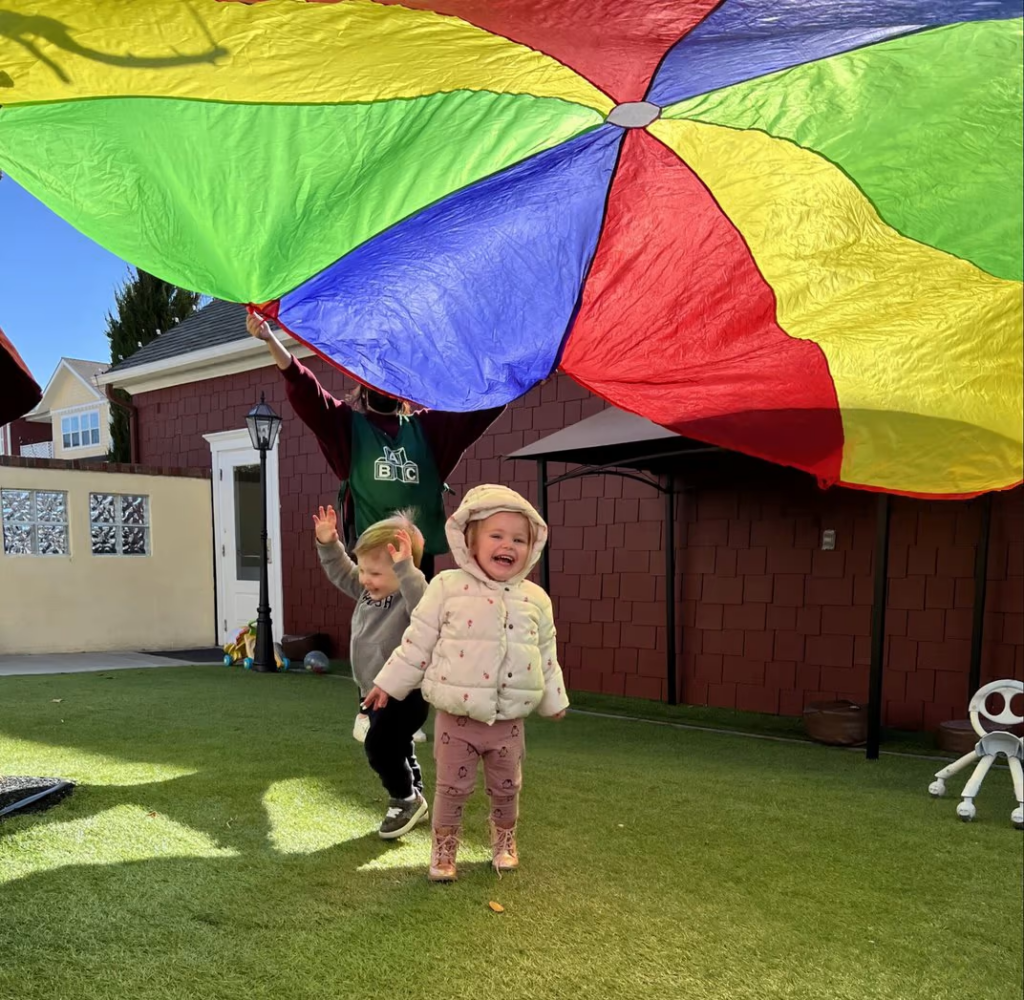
[81,430]
[119,524]
[35,522]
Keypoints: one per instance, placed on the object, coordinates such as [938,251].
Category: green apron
[390,474]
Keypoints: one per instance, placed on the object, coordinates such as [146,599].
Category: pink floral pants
[459,745]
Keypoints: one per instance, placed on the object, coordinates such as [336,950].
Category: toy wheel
[248,663]
[227,660]
[285,663]
[937,788]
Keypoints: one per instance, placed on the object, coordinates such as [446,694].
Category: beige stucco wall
[83,602]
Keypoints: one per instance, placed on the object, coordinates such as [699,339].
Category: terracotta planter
[838,723]
[958,735]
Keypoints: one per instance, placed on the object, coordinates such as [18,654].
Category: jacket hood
[480,503]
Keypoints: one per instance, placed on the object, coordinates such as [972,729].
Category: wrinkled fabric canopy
[787,227]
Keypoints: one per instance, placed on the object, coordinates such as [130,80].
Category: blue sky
[56,285]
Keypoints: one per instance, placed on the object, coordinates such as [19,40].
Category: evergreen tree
[145,307]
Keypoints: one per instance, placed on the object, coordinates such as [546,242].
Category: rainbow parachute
[789,227]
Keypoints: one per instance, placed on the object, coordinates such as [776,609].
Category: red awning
[18,390]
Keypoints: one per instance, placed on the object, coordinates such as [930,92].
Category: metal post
[542,504]
[980,587]
[878,627]
[670,590]
[264,658]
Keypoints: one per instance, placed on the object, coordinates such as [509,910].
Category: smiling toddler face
[500,544]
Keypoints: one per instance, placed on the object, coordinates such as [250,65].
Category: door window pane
[248,518]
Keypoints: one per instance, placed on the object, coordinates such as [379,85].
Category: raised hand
[326,525]
[258,328]
[404,550]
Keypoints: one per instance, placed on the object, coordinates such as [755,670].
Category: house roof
[214,324]
[84,371]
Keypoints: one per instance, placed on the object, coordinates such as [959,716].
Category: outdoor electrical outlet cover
[828,540]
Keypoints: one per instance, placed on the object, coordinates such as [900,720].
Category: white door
[237,516]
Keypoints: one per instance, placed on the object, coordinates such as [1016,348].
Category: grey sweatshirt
[377,626]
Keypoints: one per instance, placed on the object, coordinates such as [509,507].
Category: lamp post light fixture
[264,425]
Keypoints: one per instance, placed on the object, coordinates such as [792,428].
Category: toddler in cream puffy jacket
[481,647]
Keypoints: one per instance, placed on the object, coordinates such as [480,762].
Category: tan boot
[505,856]
[442,855]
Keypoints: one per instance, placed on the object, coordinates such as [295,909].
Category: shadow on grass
[235,735]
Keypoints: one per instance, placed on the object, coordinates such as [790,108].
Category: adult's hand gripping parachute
[788,227]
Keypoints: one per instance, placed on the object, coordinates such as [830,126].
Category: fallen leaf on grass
[497,907]
[151,815]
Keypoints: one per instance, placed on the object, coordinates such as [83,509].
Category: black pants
[389,746]
[427,566]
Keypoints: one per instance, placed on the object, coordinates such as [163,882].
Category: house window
[35,522]
[119,524]
[81,430]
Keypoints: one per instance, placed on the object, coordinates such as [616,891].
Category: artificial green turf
[222,845]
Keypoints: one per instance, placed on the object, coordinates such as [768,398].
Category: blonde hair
[383,533]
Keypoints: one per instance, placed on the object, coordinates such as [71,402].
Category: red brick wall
[766,621]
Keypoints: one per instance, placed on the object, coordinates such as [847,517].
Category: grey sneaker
[401,817]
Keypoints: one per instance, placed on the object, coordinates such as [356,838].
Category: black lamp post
[263,424]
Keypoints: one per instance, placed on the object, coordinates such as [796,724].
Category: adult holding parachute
[387,457]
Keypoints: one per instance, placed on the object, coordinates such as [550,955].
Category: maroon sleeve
[328,418]
[450,434]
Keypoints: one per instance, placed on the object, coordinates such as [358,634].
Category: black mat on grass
[20,795]
[211,654]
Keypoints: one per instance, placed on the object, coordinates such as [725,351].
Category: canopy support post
[542,505]
[980,588]
[878,627]
[670,591]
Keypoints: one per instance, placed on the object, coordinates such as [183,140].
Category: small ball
[316,662]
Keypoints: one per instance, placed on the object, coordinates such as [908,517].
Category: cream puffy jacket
[476,646]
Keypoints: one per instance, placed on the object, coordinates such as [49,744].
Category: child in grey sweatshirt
[386,583]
